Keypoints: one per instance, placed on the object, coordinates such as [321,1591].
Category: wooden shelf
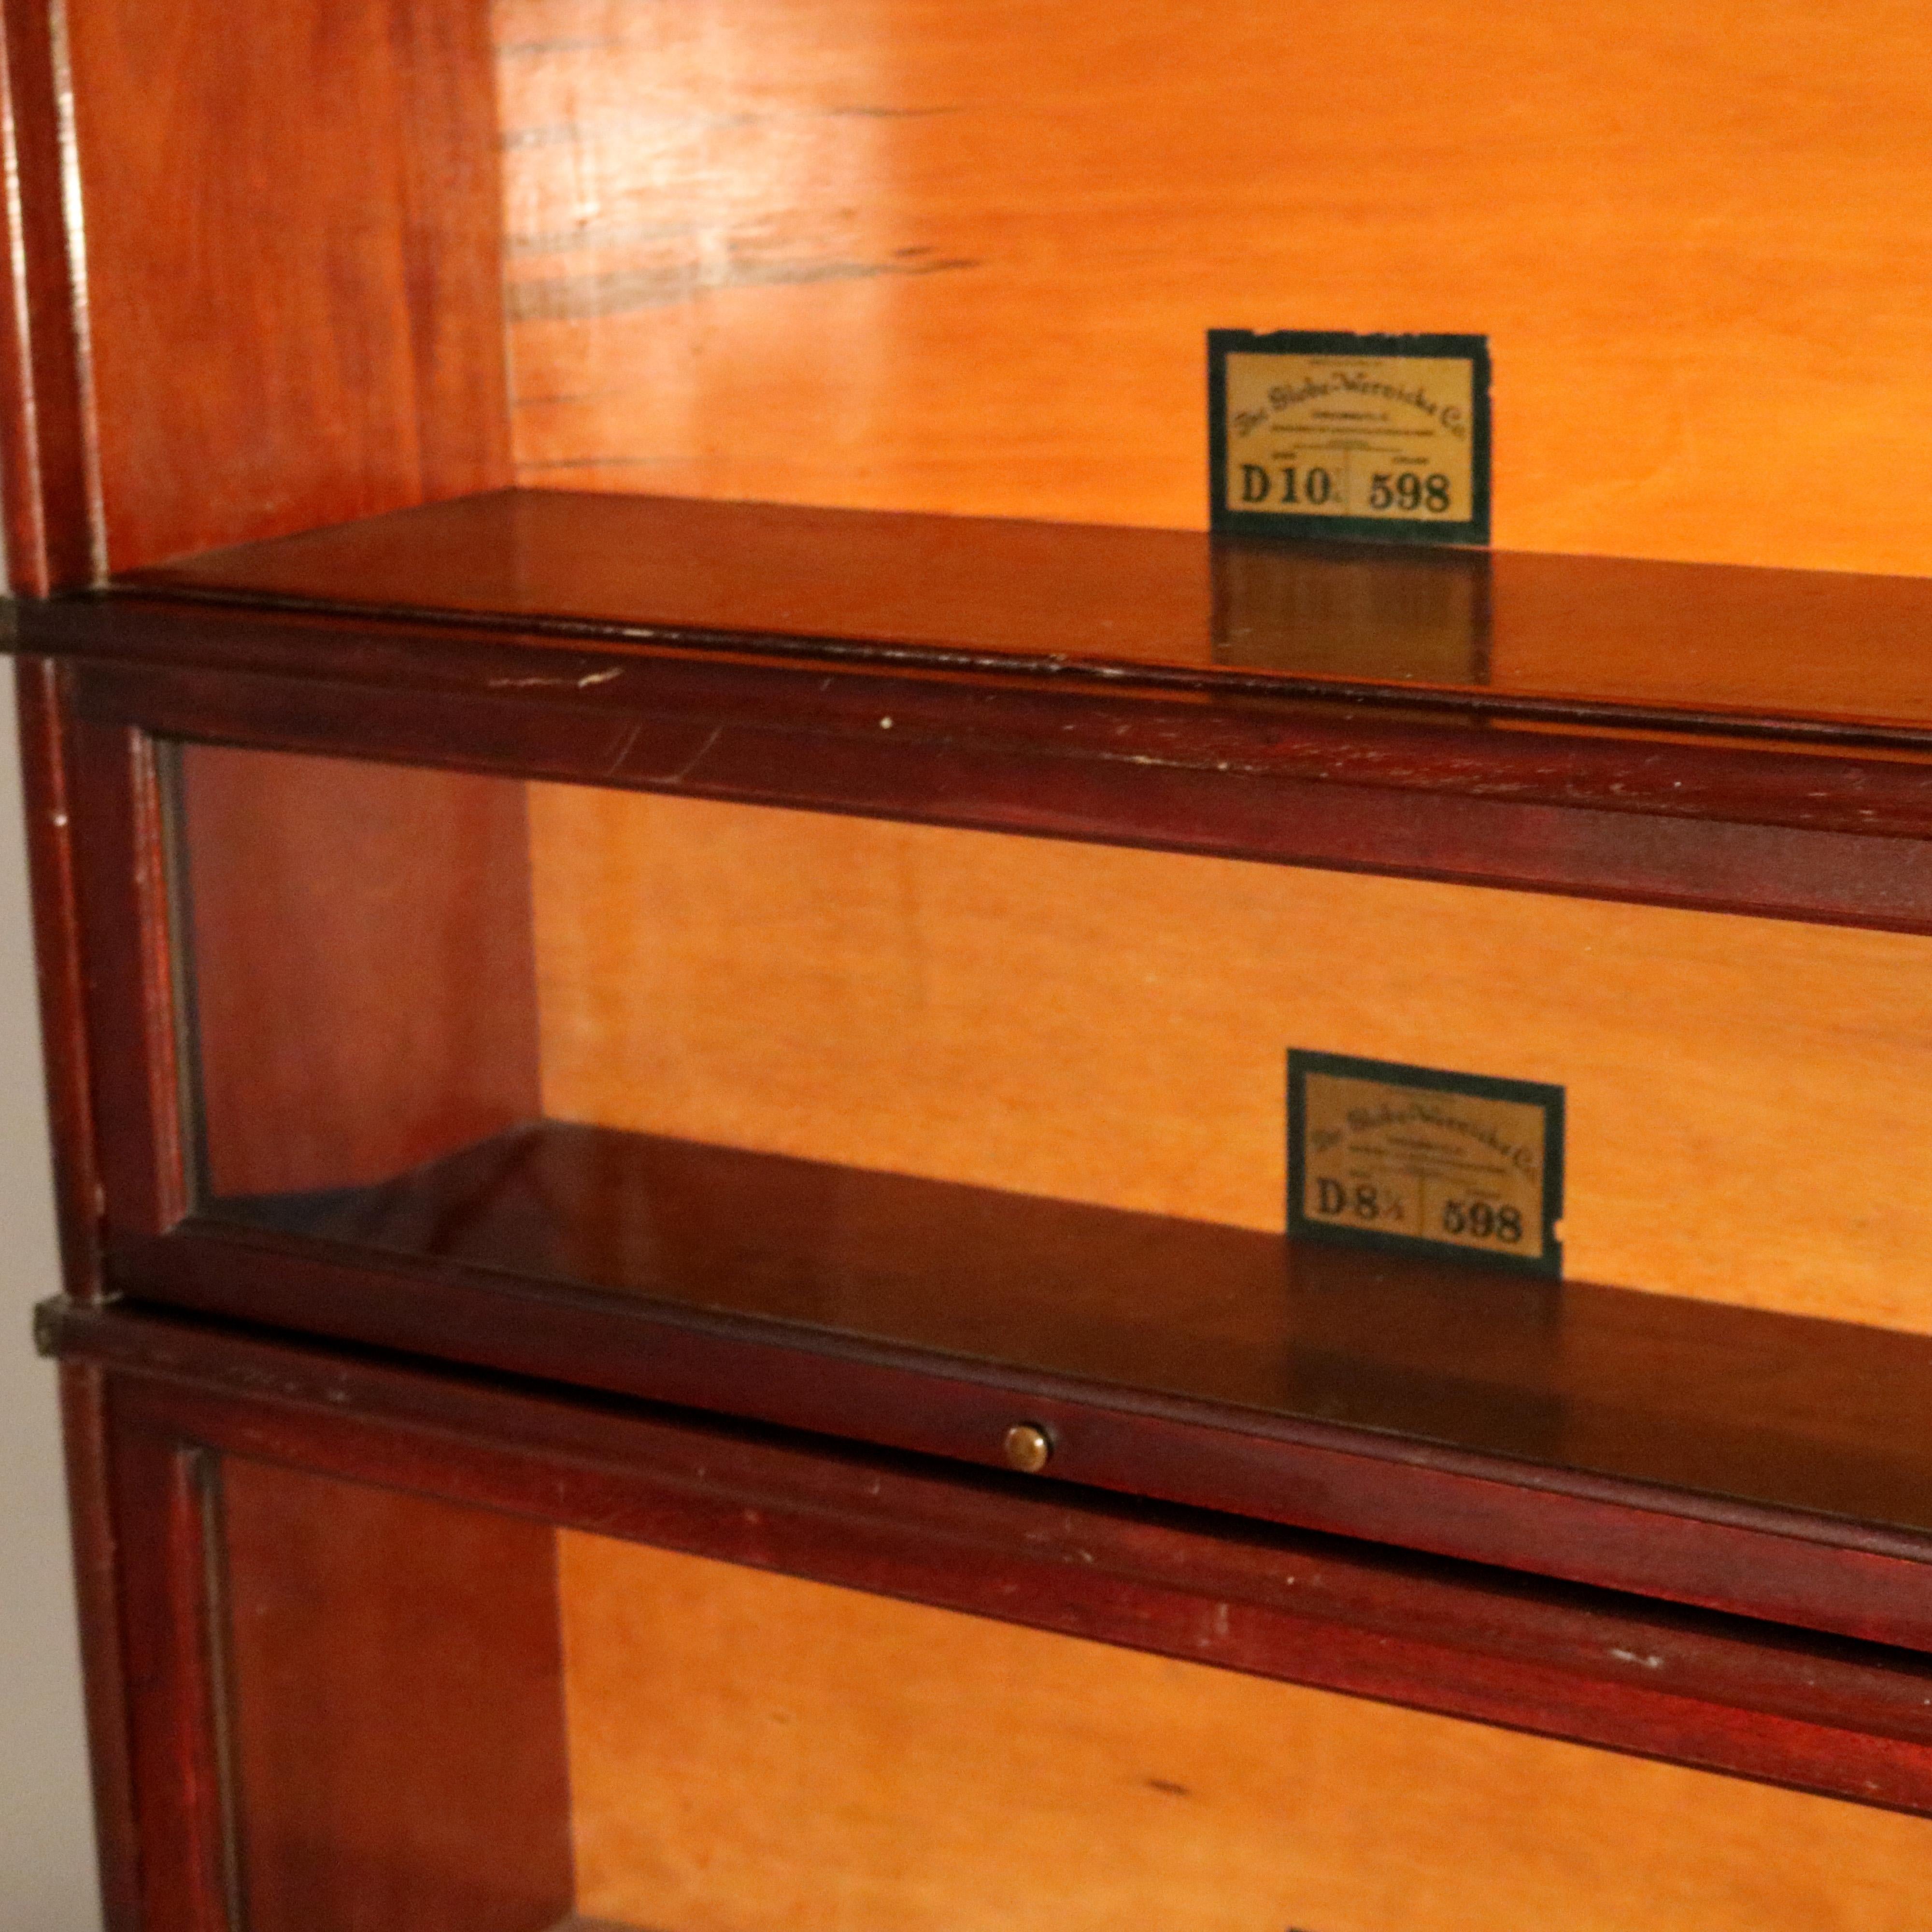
[1798,1414]
[1797,656]
[1764,1464]
[1677,734]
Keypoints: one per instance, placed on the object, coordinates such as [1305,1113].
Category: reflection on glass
[443,1720]
[1021,1101]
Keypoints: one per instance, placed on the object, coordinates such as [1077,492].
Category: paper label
[1419,1159]
[1383,437]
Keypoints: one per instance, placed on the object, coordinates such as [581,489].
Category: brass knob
[1028,1448]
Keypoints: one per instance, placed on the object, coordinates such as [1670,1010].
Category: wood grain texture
[926,255]
[102,1583]
[396,1695]
[358,955]
[751,1752]
[1109,1026]
[292,262]
[1738,1696]
[47,796]
[1400,795]
[163,1681]
[49,479]
[1626,641]
[126,945]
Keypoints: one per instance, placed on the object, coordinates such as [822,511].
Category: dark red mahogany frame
[1779,813]
[157,1404]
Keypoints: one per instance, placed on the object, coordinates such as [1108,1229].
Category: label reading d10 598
[1328,435]
[1415,1158]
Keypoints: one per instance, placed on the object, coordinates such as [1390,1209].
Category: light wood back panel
[1746,1096]
[936,255]
[751,1753]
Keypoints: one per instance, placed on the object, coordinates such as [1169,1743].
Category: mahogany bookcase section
[396,1647]
[348,820]
[590,1035]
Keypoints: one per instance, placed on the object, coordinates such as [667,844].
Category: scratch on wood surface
[622,752]
[1648,1662]
[696,758]
[583,683]
[571,297]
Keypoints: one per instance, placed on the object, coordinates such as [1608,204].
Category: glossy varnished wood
[100,1584]
[917,254]
[1774,1562]
[331,1826]
[1799,1414]
[292,259]
[1587,810]
[1727,826]
[153,1642]
[1828,1715]
[1548,639]
[290,313]
[49,478]
[45,756]
[132,1030]
[1775,825]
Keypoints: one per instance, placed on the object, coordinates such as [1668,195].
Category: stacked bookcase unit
[670,1100]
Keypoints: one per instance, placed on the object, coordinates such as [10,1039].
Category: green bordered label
[1422,1161]
[1340,437]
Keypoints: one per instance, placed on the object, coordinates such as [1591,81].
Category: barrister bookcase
[673,885]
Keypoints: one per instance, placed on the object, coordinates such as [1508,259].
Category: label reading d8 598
[1418,1157]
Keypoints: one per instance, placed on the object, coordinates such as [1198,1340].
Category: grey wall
[46,1843]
